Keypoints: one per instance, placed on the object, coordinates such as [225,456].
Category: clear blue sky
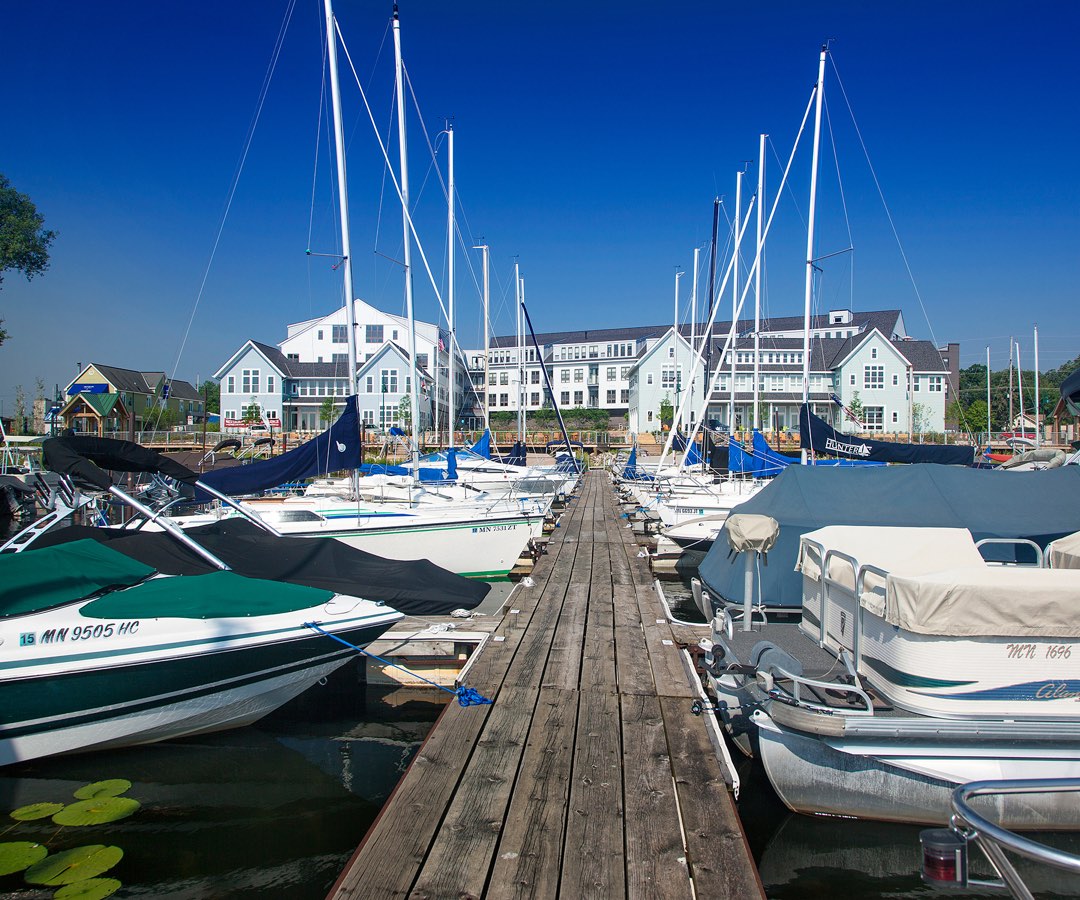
[591,139]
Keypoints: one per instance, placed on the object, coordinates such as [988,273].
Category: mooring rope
[466,696]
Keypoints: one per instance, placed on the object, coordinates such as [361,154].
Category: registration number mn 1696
[76,633]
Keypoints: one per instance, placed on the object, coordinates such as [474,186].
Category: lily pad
[36,811]
[91,889]
[111,788]
[18,855]
[96,812]
[77,864]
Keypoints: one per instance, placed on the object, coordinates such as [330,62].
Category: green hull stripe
[906,679]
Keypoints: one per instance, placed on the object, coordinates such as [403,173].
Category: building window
[504,378]
[578,398]
[534,377]
[874,418]
[934,383]
[493,378]
[339,334]
[231,385]
[895,380]
[318,335]
[648,378]
[611,373]
[671,352]
[624,396]
[669,377]
[624,372]
[370,384]
[373,334]
[338,359]
[579,375]
[369,417]
[389,380]
[250,379]
[873,377]
[422,360]
[534,399]
[295,356]
[564,398]
[504,399]
[895,418]
[648,416]
[915,380]
[610,396]
[393,334]
[873,352]
[776,382]
[564,376]
[852,377]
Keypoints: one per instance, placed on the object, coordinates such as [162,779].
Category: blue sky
[591,139]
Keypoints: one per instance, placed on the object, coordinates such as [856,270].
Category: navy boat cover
[1040,506]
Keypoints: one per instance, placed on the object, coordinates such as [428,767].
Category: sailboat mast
[520,338]
[735,296]
[414,393]
[487,336]
[987,395]
[1012,418]
[343,193]
[1038,425]
[693,307]
[451,406]
[675,343]
[1020,390]
[707,337]
[757,279]
[809,288]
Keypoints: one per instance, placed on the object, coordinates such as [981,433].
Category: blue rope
[466,696]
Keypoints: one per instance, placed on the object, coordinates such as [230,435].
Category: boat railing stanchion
[246,513]
[171,527]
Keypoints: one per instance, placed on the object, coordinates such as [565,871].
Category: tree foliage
[972,394]
[211,391]
[24,241]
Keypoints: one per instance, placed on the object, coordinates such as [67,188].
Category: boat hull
[912,781]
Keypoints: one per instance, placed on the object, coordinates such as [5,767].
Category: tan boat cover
[1064,553]
[750,532]
[907,551]
[987,600]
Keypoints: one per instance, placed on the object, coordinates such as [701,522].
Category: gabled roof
[397,350]
[102,404]
[124,379]
[183,390]
[923,356]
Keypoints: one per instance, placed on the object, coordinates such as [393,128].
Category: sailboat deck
[588,776]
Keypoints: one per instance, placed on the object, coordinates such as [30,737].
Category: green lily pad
[36,811]
[91,889]
[18,855]
[77,864]
[111,788]
[96,812]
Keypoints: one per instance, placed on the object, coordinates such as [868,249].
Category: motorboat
[914,667]
[113,637]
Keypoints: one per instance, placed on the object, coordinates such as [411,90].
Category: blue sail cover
[1039,506]
[631,472]
[818,435]
[336,449]
[693,456]
[483,446]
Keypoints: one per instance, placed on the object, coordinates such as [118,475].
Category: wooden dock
[588,776]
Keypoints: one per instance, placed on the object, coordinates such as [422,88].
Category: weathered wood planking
[584,776]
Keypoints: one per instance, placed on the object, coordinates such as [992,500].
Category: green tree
[20,410]
[667,412]
[24,242]
[855,405]
[404,412]
[920,417]
[211,391]
[252,412]
[327,411]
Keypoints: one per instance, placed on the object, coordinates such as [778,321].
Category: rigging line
[843,200]
[888,213]
[386,159]
[263,91]
[790,192]
[318,144]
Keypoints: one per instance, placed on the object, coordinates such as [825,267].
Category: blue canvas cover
[819,436]
[1039,506]
[335,450]
[483,446]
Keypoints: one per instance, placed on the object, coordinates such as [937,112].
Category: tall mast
[988,395]
[1038,426]
[487,335]
[675,343]
[1012,418]
[520,343]
[343,193]
[1020,390]
[707,337]
[451,406]
[693,306]
[757,278]
[735,297]
[809,289]
[414,392]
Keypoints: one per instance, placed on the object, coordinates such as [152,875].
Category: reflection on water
[275,809]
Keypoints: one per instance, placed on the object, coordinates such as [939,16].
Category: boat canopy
[1070,393]
[1039,506]
[819,436]
[415,587]
[84,457]
[1064,553]
[42,579]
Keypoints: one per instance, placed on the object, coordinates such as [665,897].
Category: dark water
[272,810]
[810,857]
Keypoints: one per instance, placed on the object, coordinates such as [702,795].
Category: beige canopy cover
[988,600]
[908,551]
[1064,553]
